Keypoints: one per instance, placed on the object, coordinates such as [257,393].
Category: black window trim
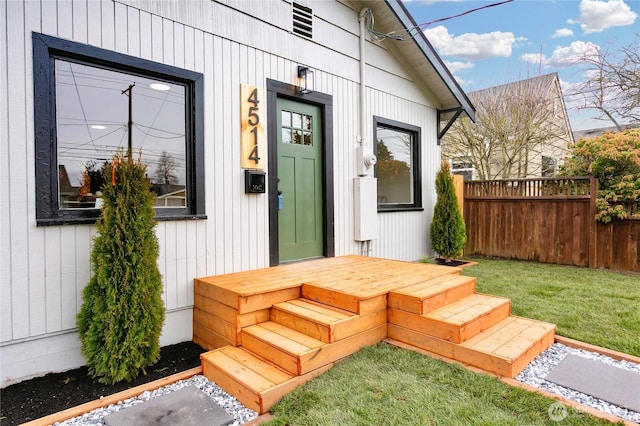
[45,50]
[417,166]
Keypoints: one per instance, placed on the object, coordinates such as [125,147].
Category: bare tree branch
[516,124]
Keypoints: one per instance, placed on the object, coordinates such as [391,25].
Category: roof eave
[405,18]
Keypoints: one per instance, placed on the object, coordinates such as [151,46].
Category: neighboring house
[223,101]
[535,103]
[592,133]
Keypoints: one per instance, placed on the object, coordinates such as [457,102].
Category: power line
[378,36]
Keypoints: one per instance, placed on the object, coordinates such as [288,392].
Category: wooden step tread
[432,294]
[433,286]
[504,349]
[510,337]
[468,309]
[458,321]
[287,339]
[322,314]
[255,383]
[246,368]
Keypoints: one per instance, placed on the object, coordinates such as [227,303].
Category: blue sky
[526,38]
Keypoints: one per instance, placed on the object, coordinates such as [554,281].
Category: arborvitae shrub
[122,311]
[448,234]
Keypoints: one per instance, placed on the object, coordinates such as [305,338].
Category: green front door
[300,231]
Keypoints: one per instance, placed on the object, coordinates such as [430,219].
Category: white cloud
[534,58]
[455,66]
[562,32]
[472,46]
[597,15]
[573,54]
[563,57]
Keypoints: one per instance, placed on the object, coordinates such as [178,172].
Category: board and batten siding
[44,269]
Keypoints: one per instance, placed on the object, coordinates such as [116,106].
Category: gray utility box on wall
[365,190]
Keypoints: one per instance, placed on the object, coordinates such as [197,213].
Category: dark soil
[41,396]
[453,262]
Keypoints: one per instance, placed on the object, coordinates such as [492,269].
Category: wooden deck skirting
[273,329]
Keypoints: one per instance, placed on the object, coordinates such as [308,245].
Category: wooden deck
[271,330]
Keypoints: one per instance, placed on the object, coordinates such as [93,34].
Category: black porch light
[305,79]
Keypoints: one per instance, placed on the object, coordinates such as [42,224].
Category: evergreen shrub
[122,311]
[448,233]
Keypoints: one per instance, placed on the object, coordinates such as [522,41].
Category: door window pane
[297,128]
[286,135]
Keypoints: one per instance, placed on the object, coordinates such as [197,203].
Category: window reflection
[296,128]
[92,114]
[394,166]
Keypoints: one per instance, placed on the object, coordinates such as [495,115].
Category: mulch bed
[41,396]
[454,262]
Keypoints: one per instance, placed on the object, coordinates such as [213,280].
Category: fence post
[593,229]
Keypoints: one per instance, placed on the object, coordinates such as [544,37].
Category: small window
[91,104]
[397,148]
[463,167]
[548,166]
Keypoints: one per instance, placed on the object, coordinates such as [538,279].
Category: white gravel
[533,375]
[536,372]
[231,405]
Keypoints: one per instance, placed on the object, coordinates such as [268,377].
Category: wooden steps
[302,339]
[323,322]
[504,349]
[429,295]
[298,353]
[446,316]
[256,383]
[457,321]
[287,324]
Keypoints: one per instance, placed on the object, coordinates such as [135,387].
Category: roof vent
[302,20]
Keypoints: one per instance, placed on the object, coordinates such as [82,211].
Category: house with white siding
[273,131]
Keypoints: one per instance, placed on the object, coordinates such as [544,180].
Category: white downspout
[363,87]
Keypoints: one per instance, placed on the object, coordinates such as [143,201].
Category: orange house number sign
[252,140]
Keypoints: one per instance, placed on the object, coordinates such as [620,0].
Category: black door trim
[275,90]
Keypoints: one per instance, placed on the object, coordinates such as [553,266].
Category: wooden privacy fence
[550,220]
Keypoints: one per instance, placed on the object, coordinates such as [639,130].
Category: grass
[386,385]
[591,305]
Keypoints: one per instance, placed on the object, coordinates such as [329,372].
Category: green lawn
[591,305]
[385,385]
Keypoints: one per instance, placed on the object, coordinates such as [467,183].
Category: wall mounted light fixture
[305,79]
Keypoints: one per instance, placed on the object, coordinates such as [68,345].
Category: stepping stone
[612,384]
[188,406]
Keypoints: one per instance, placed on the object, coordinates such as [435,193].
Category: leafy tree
[390,169]
[122,311]
[448,233]
[613,158]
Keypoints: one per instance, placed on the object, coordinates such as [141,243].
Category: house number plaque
[252,140]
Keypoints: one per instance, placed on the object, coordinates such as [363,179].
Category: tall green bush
[448,234]
[122,311]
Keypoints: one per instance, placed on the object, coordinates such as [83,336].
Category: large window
[91,104]
[397,148]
